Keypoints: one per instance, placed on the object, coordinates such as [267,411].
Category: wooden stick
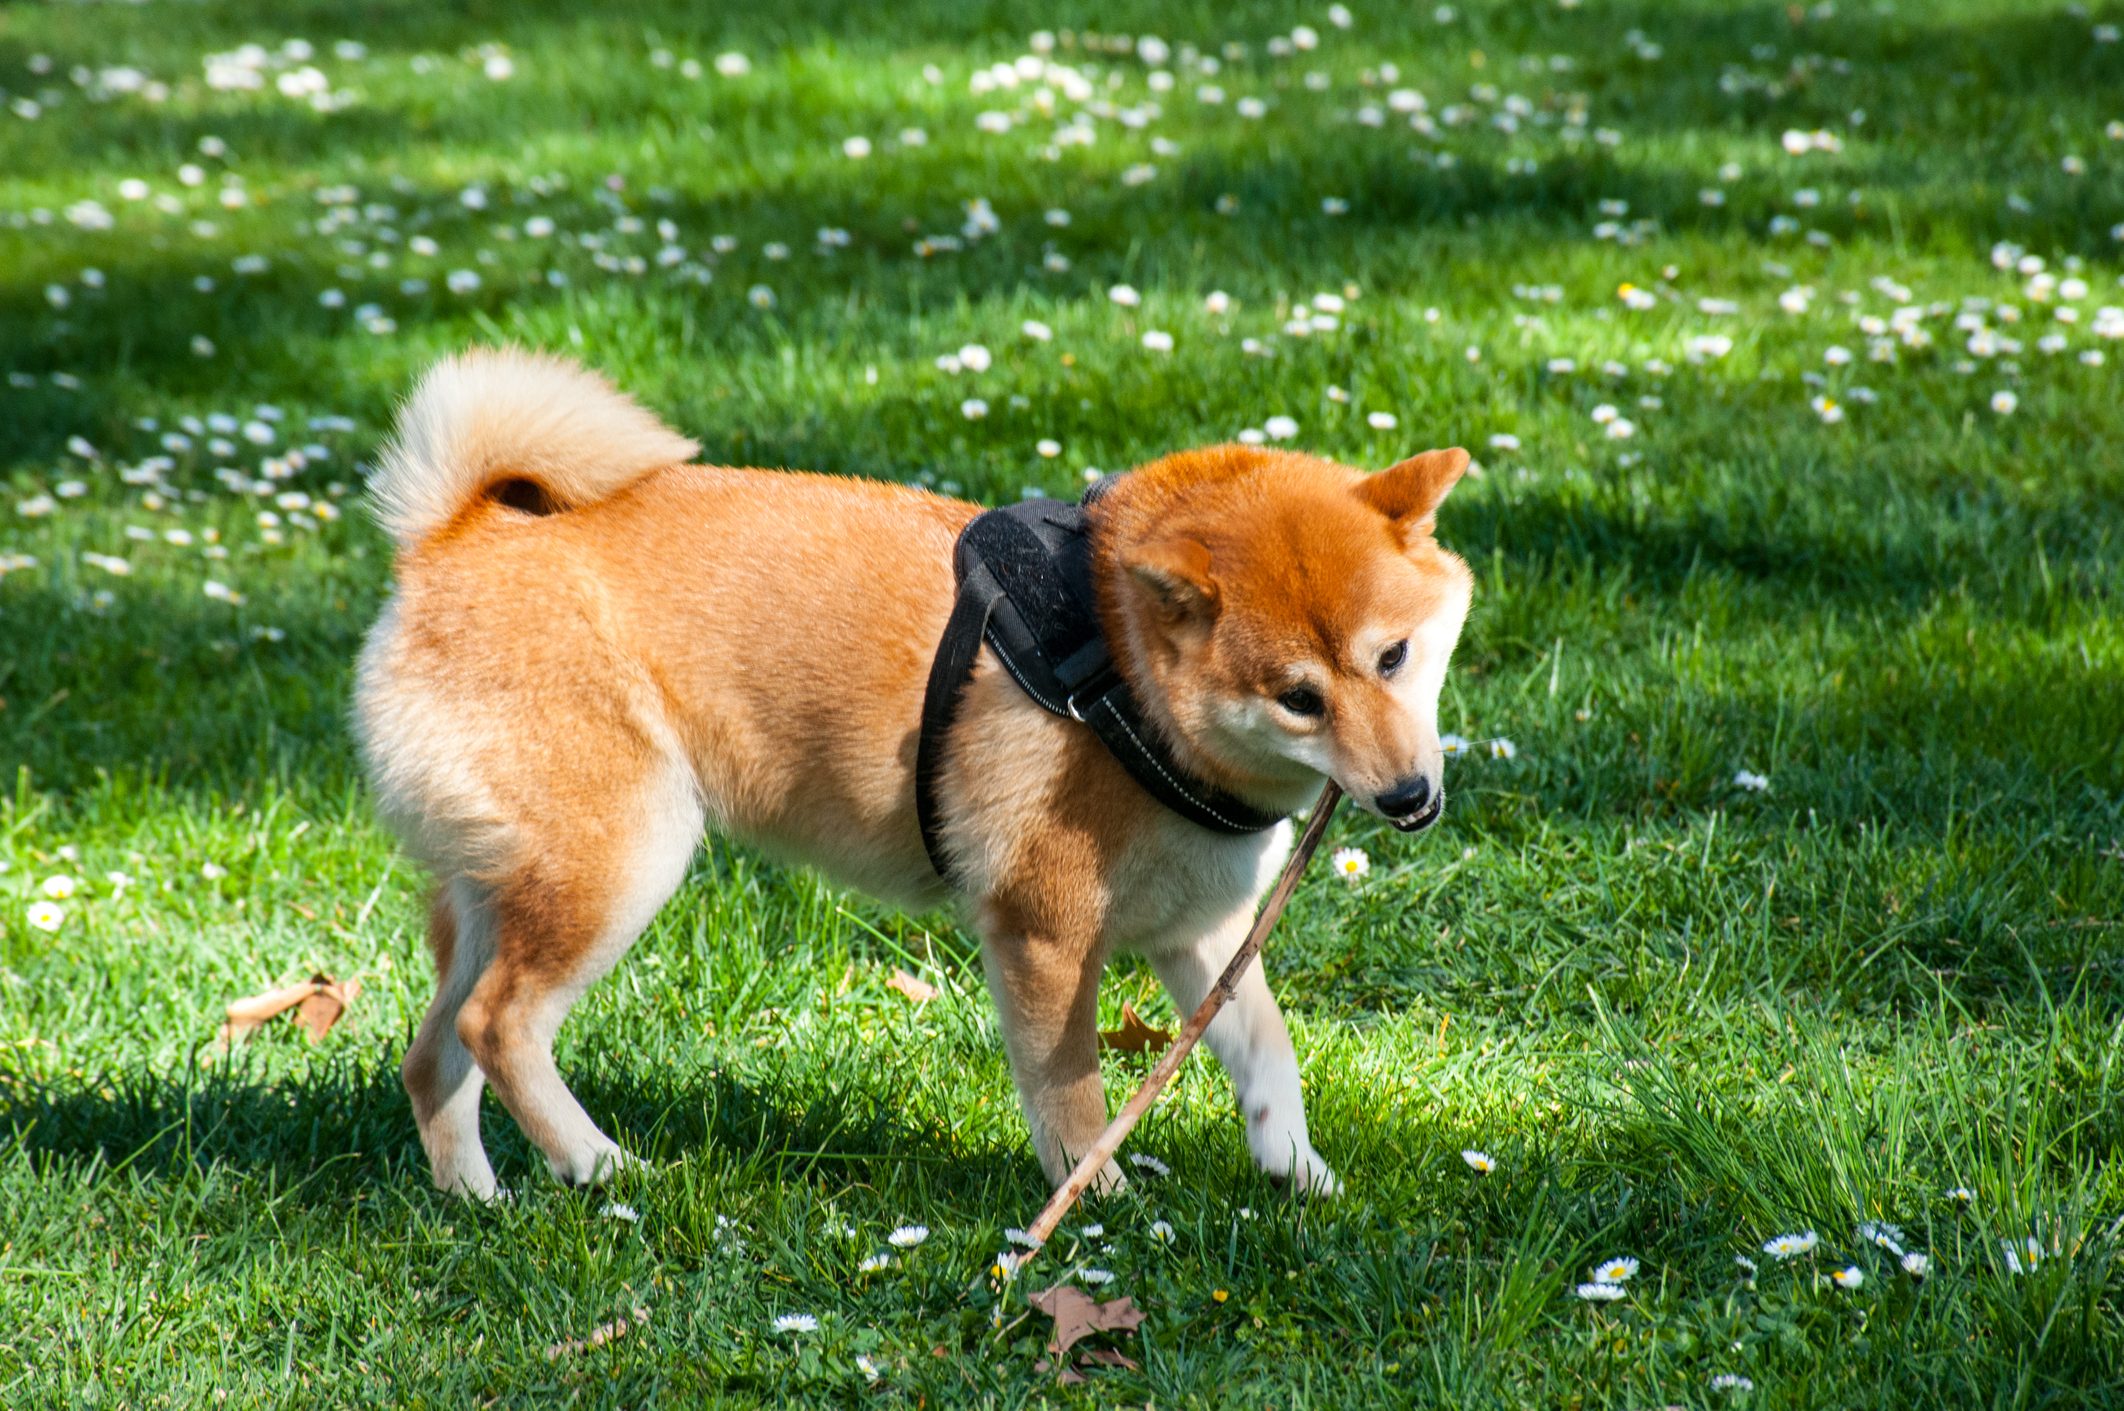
[1102,1150]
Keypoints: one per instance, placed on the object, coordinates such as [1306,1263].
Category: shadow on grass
[343,1122]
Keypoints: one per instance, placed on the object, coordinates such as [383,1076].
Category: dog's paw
[1308,1174]
[1109,1181]
[592,1166]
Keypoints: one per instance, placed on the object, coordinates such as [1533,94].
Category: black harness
[1024,575]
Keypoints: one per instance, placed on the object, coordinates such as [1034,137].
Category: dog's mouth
[1423,817]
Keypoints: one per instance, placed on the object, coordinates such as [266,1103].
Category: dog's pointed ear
[1175,576]
[1410,492]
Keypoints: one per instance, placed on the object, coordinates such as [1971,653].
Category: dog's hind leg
[561,921]
[439,1072]
[1249,1037]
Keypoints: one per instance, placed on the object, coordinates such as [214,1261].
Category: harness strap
[940,700]
[1025,591]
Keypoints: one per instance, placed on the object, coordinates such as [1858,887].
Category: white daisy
[1150,1163]
[1615,1271]
[58,887]
[907,1236]
[1848,1277]
[1351,863]
[1916,1265]
[1731,1381]
[46,915]
[1791,1246]
[1478,1161]
[873,1263]
[1125,296]
[796,1323]
[1600,1292]
[1161,1232]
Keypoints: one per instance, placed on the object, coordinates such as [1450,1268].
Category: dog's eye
[1391,659]
[1301,700]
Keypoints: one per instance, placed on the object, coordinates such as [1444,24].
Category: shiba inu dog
[597,649]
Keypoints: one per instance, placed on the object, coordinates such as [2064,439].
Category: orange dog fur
[596,650]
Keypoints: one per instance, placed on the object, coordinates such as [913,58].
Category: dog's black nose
[1407,797]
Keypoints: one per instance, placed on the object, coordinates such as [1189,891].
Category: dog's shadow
[319,1135]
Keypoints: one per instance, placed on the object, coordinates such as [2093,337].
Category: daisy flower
[1150,1163]
[973,409]
[1615,1271]
[1747,779]
[907,1236]
[1479,1162]
[796,1323]
[46,915]
[1125,296]
[867,1367]
[618,1211]
[1916,1265]
[1158,341]
[1888,1237]
[58,887]
[1601,1292]
[1094,1277]
[1731,1381]
[1161,1231]
[1790,1246]
[2004,402]
[1848,1277]
[1501,748]
[1962,1196]
[1351,863]
[873,1263]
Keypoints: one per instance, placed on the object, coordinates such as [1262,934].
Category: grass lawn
[1789,342]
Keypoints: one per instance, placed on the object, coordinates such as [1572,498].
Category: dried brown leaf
[1134,1035]
[319,1000]
[912,986]
[1077,1315]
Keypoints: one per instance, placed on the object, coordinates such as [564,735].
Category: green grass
[1683,1016]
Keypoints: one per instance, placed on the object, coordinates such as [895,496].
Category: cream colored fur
[499,414]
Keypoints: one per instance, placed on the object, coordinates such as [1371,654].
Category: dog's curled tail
[537,432]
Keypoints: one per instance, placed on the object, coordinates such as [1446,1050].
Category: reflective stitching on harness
[1122,721]
[1025,685]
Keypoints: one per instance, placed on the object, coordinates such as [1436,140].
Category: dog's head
[1286,618]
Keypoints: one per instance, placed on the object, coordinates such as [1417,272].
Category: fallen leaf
[322,1009]
[1107,1357]
[1077,1314]
[1134,1036]
[319,1001]
[914,987]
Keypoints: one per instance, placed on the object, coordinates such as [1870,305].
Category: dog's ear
[1410,492]
[1175,575]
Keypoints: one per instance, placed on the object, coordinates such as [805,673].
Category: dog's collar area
[1025,590]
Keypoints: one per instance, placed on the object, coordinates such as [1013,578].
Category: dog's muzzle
[1423,817]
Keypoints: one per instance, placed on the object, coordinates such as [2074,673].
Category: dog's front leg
[1047,996]
[1250,1039]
